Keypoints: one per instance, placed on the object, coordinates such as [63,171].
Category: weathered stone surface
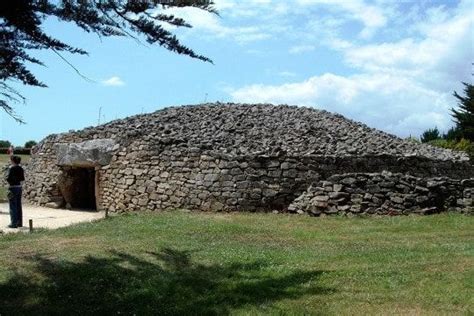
[54,205]
[246,157]
[407,198]
[88,153]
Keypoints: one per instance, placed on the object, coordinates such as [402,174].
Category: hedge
[16,151]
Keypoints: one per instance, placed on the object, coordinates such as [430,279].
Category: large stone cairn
[226,157]
[241,130]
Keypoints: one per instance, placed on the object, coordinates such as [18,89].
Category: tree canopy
[30,144]
[21,32]
[5,144]
[430,134]
[464,115]
[460,136]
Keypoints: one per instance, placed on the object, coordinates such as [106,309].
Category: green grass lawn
[242,264]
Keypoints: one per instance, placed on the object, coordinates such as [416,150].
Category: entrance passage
[77,186]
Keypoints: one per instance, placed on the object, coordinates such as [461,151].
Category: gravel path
[46,217]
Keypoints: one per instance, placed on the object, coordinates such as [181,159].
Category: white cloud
[403,85]
[391,103]
[263,19]
[438,56]
[212,25]
[252,8]
[221,5]
[287,74]
[113,81]
[301,49]
[371,16]
[440,40]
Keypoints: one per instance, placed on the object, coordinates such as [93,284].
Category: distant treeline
[16,151]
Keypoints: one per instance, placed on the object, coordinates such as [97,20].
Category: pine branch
[21,30]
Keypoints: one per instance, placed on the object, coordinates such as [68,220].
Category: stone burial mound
[242,157]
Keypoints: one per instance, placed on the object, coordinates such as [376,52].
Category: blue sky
[390,64]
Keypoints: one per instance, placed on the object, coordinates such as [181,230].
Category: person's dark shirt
[15,175]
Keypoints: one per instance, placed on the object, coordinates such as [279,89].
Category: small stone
[355,208]
[387,184]
[343,208]
[321,204]
[54,205]
[348,181]
[321,198]
[368,196]
[421,189]
[331,210]
[143,201]
[217,206]
[465,202]
[338,195]
[211,177]
[269,192]
[421,199]
[396,199]
[434,184]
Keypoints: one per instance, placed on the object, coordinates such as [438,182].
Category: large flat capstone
[90,153]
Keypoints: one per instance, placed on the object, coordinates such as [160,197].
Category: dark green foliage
[452,134]
[5,144]
[22,151]
[464,114]
[430,134]
[21,31]
[461,136]
[30,144]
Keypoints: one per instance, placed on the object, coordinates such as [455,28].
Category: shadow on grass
[167,282]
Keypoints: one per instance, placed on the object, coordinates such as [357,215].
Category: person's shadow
[164,282]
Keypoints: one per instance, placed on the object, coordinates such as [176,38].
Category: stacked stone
[195,180]
[250,129]
[385,193]
[229,157]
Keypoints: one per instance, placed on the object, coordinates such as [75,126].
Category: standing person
[16,175]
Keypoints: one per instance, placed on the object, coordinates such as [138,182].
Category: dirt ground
[46,217]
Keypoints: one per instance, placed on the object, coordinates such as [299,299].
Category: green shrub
[465,145]
[443,143]
[430,135]
[461,145]
[30,144]
[413,139]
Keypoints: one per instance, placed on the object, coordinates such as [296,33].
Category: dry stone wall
[196,180]
[385,193]
[226,157]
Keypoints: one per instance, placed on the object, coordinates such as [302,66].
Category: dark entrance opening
[77,186]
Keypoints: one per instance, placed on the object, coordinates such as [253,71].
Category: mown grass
[180,263]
